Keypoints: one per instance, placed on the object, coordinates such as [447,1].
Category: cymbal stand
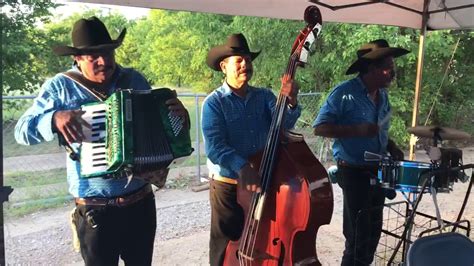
[436,136]
[468,193]
[435,201]
[409,221]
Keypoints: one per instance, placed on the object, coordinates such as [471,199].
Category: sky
[73,7]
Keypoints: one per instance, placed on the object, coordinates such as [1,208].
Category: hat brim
[69,50]
[219,53]
[374,55]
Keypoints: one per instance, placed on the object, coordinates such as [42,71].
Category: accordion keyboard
[94,143]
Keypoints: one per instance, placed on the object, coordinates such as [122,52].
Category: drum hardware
[451,171]
[406,176]
[416,178]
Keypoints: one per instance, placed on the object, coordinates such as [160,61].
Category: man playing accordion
[115,216]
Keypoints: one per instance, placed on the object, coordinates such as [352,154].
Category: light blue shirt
[61,93]
[235,128]
[349,104]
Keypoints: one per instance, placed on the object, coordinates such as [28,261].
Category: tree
[22,43]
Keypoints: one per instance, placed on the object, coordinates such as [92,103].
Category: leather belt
[224,179]
[120,201]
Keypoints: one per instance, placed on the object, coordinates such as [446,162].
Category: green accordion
[132,133]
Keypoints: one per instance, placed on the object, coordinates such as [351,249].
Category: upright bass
[282,221]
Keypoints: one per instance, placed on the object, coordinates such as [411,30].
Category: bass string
[247,244]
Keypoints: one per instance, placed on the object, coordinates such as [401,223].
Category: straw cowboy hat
[236,45]
[90,36]
[372,51]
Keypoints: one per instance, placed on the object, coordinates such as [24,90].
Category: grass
[39,190]
[17,210]
[37,178]
[35,191]
[12,149]
[180,182]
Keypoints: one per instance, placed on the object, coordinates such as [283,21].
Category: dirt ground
[183,228]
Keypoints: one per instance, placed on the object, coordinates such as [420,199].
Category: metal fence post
[198,142]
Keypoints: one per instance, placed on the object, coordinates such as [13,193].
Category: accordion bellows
[133,132]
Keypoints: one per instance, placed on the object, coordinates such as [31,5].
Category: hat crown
[238,42]
[372,46]
[90,32]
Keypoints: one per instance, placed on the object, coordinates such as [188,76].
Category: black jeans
[363,211]
[107,232]
[227,219]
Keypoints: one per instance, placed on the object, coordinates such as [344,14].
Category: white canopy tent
[443,14]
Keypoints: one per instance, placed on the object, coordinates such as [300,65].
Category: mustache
[102,69]
[246,71]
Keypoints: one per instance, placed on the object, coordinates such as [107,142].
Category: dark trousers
[363,211]
[227,219]
[107,232]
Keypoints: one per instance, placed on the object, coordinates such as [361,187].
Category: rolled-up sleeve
[214,132]
[330,110]
[291,114]
[35,125]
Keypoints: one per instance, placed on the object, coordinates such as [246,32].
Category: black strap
[90,86]
[123,83]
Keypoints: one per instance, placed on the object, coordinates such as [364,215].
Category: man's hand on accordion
[69,124]
[177,108]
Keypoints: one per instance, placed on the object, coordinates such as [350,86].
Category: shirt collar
[362,85]
[227,91]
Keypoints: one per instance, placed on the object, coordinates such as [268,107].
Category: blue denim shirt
[349,104]
[61,93]
[235,128]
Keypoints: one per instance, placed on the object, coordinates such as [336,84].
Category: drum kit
[414,178]
[440,174]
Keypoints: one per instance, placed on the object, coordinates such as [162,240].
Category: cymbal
[445,133]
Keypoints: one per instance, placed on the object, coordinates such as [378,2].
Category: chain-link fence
[38,172]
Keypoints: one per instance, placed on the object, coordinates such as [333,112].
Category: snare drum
[404,175]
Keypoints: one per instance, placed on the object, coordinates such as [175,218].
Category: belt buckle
[112,202]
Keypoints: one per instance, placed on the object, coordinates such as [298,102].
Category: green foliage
[23,43]
[170,48]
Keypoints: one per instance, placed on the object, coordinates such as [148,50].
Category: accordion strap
[123,82]
[85,83]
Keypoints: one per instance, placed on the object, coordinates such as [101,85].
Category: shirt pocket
[236,125]
[359,114]
[233,118]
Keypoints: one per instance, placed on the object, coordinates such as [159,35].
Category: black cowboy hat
[90,36]
[372,51]
[236,45]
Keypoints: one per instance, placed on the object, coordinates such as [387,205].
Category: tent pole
[419,74]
